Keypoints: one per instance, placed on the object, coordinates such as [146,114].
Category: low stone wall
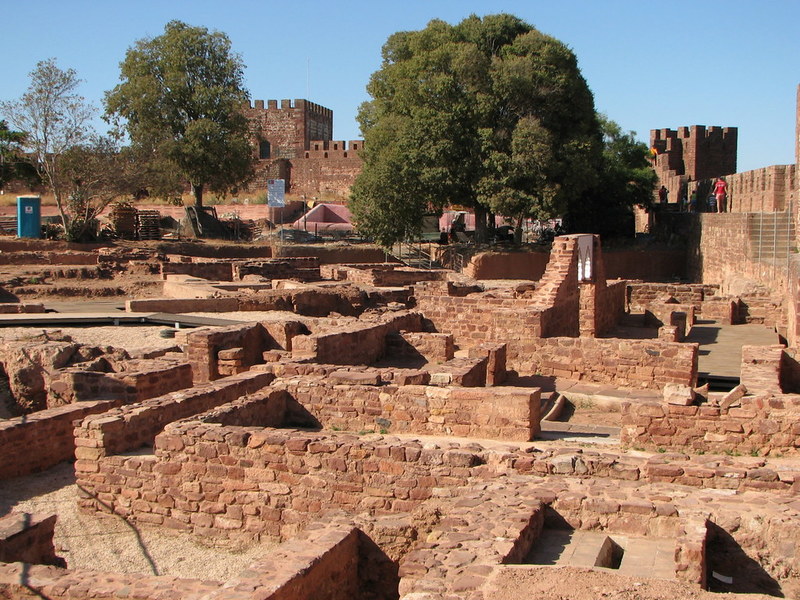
[182,305]
[43,439]
[203,347]
[299,268]
[11,308]
[761,425]
[145,379]
[642,295]
[283,477]
[333,560]
[430,347]
[645,364]
[28,538]
[213,271]
[504,413]
[131,427]
[362,343]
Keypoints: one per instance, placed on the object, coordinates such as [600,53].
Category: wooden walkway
[720,353]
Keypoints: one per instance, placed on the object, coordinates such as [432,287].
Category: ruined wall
[652,265]
[331,557]
[142,379]
[43,439]
[645,364]
[213,271]
[283,478]
[505,413]
[130,427]
[203,346]
[353,344]
[760,425]
[26,537]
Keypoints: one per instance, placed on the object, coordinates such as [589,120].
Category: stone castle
[294,143]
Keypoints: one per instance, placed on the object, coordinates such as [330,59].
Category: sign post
[276,197]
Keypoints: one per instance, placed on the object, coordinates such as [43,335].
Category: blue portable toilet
[29,217]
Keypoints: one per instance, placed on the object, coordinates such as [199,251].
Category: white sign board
[276,189]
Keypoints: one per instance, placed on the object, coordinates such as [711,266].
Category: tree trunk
[480,224]
[197,190]
[518,231]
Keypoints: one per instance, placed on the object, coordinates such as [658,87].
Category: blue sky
[650,64]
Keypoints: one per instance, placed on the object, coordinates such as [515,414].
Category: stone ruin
[381,425]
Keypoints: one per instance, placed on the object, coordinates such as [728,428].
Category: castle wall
[770,189]
[695,152]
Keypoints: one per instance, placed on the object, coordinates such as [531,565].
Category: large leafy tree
[180,101]
[490,114]
[626,180]
[54,118]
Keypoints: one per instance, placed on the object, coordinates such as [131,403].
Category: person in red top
[721,194]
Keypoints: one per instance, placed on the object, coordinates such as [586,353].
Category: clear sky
[651,65]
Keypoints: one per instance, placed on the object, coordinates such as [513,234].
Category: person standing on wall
[663,194]
[721,194]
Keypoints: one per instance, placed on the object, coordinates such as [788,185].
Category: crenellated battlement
[693,153]
[298,104]
[334,149]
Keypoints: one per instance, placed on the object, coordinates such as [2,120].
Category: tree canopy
[53,118]
[489,114]
[180,101]
[13,163]
[625,180]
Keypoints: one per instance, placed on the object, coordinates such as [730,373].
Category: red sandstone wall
[771,189]
[505,413]
[131,427]
[646,364]
[759,425]
[42,439]
[355,344]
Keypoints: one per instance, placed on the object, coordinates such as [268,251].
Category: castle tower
[695,153]
[286,131]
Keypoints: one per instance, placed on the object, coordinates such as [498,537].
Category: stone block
[734,397]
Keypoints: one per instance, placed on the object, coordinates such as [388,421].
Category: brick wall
[284,478]
[204,344]
[429,347]
[42,439]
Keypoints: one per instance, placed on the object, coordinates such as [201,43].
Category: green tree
[626,180]
[13,163]
[54,118]
[96,174]
[489,114]
[180,101]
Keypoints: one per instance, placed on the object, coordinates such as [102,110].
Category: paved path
[720,354]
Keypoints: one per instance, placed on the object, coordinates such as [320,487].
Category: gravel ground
[130,337]
[111,543]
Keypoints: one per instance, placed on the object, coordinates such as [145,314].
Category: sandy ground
[113,544]
[569,583]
